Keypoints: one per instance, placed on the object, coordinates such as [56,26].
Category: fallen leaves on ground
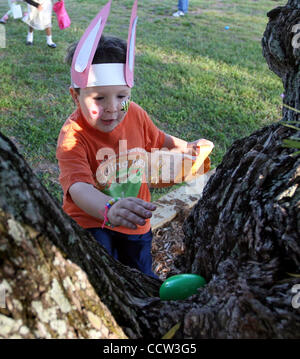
[167,245]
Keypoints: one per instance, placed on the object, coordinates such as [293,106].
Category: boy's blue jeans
[131,250]
[183,5]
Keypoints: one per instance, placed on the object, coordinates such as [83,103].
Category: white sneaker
[178,13]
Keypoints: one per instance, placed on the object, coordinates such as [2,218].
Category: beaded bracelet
[107,207]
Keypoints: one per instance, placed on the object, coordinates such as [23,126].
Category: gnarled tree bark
[243,236]
[38,241]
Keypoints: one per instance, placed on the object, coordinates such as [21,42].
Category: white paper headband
[84,74]
[105,75]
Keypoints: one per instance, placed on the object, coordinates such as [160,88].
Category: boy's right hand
[130,212]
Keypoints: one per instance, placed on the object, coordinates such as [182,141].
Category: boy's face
[102,106]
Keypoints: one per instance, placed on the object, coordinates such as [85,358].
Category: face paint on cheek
[96,111]
[125,105]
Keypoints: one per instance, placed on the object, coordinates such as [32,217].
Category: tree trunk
[38,241]
[243,236]
[283,54]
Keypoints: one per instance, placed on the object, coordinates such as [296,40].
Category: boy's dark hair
[110,49]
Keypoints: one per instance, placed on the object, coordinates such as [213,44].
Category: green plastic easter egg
[180,286]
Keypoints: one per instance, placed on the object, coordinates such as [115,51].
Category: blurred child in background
[39,18]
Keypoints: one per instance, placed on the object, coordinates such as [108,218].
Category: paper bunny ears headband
[84,73]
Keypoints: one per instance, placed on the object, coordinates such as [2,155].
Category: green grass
[193,77]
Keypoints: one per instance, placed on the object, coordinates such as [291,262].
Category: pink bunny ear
[87,46]
[129,69]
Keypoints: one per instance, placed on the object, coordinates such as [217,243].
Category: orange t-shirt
[113,162]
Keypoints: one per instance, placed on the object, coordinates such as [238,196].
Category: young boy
[100,147]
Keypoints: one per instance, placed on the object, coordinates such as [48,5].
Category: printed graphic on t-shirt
[121,175]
